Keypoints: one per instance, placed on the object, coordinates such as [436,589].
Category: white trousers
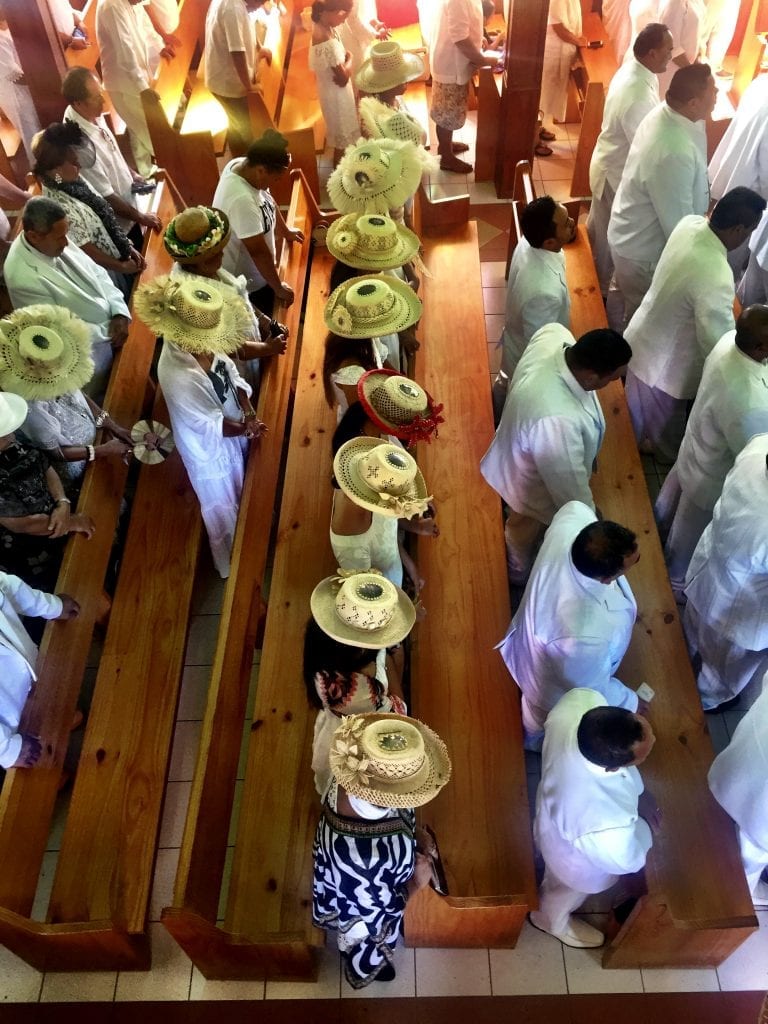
[597,229]
[753,287]
[726,668]
[556,70]
[128,106]
[557,902]
[754,858]
[633,279]
[656,417]
[681,523]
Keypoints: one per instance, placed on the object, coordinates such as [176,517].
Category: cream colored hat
[45,351]
[371,241]
[382,122]
[13,412]
[362,609]
[399,406]
[375,177]
[389,760]
[388,66]
[196,233]
[381,477]
[368,307]
[197,314]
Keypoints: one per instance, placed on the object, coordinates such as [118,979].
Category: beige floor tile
[327,986]
[81,987]
[559,190]
[747,967]
[534,967]
[19,983]
[201,642]
[404,985]
[452,972]
[440,177]
[203,989]
[162,883]
[174,813]
[194,691]
[486,232]
[494,300]
[484,192]
[44,886]
[186,740]
[585,973]
[494,358]
[668,980]
[169,977]
[492,274]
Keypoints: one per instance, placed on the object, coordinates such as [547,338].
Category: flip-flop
[460,147]
[542,150]
[457,166]
[546,135]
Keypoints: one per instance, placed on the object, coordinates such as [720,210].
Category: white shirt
[685,20]
[129,47]
[549,435]
[587,824]
[537,294]
[251,211]
[566,13]
[727,580]
[166,14]
[455,20]
[62,16]
[686,311]
[18,655]
[633,93]
[664,179]
[742,156]
[731,407]
[569,630]
[110,175]
[228,30]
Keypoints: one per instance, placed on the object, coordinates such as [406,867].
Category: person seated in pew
[378,177]
[383,79]
[753,287]
[348,673]
[549,436]
[344,362]
[43,268]
[35,513]
[686,311]
[594,820]
[255,219]
[366,863]
[537,291]
[575,620]
[724,621]
[731,406]
[331,63]
[738,779]
[208,401]
[18,655]
[45,358]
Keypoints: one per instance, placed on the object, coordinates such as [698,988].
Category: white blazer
[742,156]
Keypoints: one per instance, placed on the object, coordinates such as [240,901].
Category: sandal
[546,135]
[542,150]
[456,166]
[459,147]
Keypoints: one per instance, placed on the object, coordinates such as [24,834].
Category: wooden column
[526,30]
[40,53]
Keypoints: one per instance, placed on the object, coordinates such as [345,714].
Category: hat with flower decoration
[399,406]
[371,241]
[196,233]
[362,608]
[369,307]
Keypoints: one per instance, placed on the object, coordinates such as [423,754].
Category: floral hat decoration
[399,406]
[369,307]
[371,241]
[377,176]
[196,233]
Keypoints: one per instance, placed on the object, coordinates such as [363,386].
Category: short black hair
[536,221]
[600,549]
[603,351]
[607,735]
[738,208]
[688,84]
[41,213]
[752,328]
[269,151]
[650,38]
[351,425]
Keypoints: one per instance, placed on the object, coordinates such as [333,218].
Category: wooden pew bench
[590,81]
[89,57]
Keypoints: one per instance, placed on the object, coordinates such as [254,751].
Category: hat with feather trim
[45,352]
[383,122]
[375,177]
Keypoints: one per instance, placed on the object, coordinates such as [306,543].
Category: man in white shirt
[574,623]
[742,155]
[130,52]
[664,180]
[730,408]
[42,268]
[551,429]
[725,620]
[753,287]
[594,822]
[685,20]
[688,309]
[633,93]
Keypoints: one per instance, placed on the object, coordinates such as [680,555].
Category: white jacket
[569,630]
[727,580]
[587,824]
[550,432]
[742,156]
[686,311]
[129,47]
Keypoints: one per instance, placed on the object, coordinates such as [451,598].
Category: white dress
[342,127]
[15,100]
[376,548]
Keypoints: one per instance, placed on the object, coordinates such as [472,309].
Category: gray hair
[41,213]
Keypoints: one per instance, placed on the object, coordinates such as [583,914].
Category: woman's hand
[150,220]
[340,75]
[114,448]
[254,429]
[275,346]
[285,293]
[59,521]
[293,235]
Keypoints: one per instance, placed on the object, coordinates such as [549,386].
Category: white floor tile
[204,989]
[559,190]
[194,691]
[492,274]
[452,972]
[186,740]
[534,967]
[404,985]
[162,883]
[201,642]
[327,986]
[747,967]
[19,983]
[585,973]
[174,813]
[44,886]
[80,987]
[169,977]
[484,192]
[670,980]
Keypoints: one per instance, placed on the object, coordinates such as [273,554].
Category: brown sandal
[542,150]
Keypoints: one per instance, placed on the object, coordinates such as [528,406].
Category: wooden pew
[522,193]
[89,57]
[592,77]
[64,652]
[488,114]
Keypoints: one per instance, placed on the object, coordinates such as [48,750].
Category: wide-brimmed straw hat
[13,412]
[369,307]
[381,477]
[375,177]
[388,66]
[389,760]
[196,233]
[197,314]
[371,241]
[382,122]
[399,406]
[362,608]
[45,351]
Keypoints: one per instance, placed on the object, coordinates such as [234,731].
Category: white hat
[13,412]
[362,609]
[383,122]
[380,477]
[388,66]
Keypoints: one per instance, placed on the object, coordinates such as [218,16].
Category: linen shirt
[569,630]
[664,180]
[686,311]
[228,30]
[129,47]
[455,20]
[537,294]
[251,211]
[549,435]
[166,14]
[110,175]
[566,13]
[742,156]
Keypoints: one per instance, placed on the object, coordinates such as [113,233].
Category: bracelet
[102,418]
[62,501]
[91,452]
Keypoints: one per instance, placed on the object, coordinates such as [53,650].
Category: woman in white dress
[332,65]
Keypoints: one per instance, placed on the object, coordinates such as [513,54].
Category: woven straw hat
[388,66]
[371,241]
[399,406]
[13,412]
[389,760]
[375,177]
[382,122]
[197,314]
[196,233]
[362,609]
[381,477]
[45,351]
[368,307]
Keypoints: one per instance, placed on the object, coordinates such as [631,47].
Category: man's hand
[149,220]
[285,293]
[70,608]
[31,749]
[118,330]
[265,54]
[293,235]
[649,810]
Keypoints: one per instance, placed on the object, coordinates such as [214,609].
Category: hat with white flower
[371,241]
[375,177]
[196,233]
[372,306]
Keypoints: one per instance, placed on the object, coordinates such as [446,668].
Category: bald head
[752,332]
